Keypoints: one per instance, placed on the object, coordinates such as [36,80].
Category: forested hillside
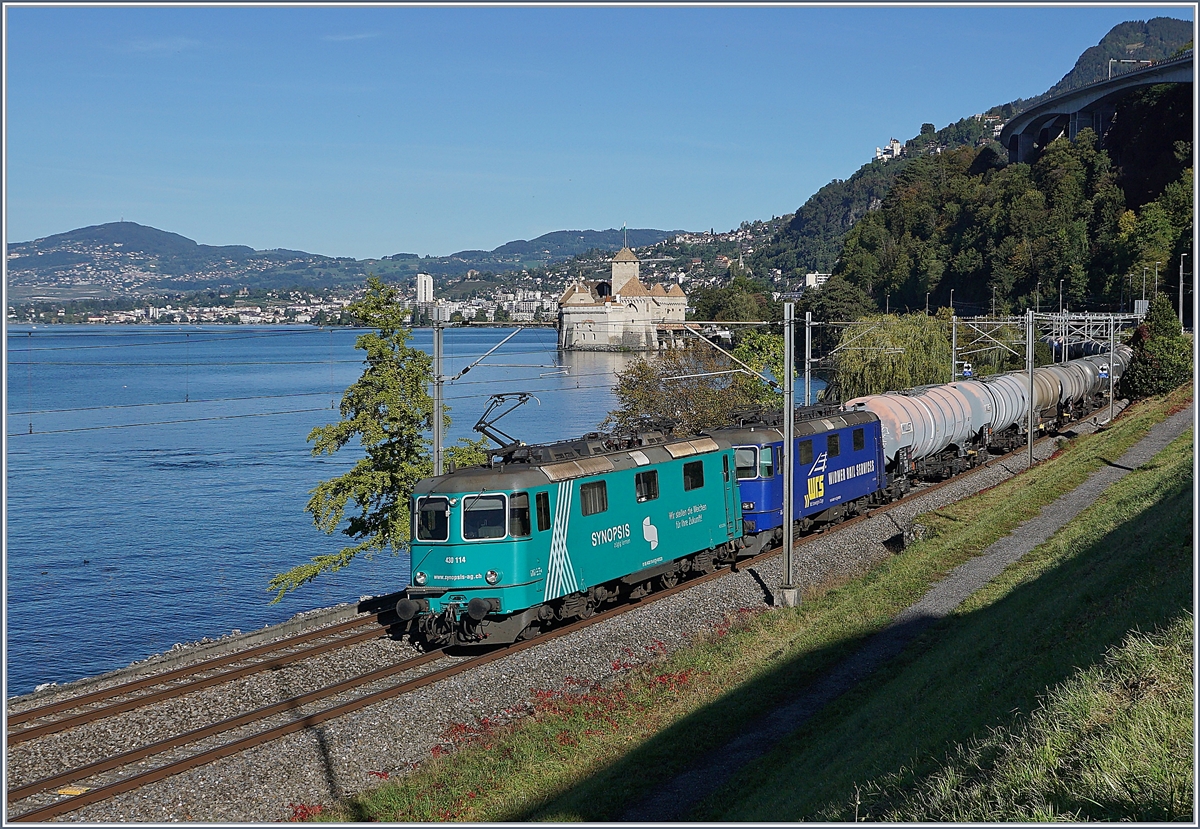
[812,239]
[965,220]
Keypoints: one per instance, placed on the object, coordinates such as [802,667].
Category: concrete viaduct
[1089,106]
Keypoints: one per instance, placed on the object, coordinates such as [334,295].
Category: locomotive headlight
[420,578]
[747,505]
[491,577]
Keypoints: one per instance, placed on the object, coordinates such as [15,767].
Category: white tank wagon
[1073,383]
[933,431]
[937,431]
[1010,397]
[906,425]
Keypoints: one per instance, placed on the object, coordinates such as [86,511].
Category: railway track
[107,702]
[114,775]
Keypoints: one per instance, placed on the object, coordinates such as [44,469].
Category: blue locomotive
[838,472]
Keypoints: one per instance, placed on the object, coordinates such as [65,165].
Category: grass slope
[1111,743]
[1123,564]
[587,753]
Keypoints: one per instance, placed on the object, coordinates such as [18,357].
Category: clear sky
[374,130]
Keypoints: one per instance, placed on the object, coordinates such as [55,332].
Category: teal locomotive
[551,533]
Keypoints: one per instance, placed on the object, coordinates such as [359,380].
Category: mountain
[812,238]
[1153,39]
[521,254]
[128,259]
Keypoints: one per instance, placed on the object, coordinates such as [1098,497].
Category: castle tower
[624,268]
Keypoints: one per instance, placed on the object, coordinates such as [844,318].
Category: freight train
[552,533]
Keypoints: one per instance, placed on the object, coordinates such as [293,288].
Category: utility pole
[808,358]
[438,379]
[1112,356]
[953,348]
[1029,365]
[788,592]
[1037,298]
[927,303]
[993,300]
[951,302]
[1144,269]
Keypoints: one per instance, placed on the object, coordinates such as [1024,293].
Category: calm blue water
[165,478]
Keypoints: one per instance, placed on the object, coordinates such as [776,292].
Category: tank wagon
[552,532]
[838,472]
[937,431]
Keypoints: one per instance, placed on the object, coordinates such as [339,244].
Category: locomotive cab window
[593,498]
[543,511]
[859,440]
[433,519]
[518,514]
[744,461]
[766,462]
[646,484]
[833,445]
[693,475]
[483,517]
[806,455]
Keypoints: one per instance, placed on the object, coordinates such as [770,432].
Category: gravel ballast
[353,752]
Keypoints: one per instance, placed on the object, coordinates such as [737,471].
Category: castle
[620,314]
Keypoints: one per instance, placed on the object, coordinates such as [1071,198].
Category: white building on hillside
[894,149]
[619,313]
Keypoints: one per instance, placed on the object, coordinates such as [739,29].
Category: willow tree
[891,352]
[389,412]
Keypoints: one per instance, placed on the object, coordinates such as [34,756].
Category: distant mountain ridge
[120,258]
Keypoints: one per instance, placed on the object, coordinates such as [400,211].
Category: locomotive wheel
[668,580]
[531,630]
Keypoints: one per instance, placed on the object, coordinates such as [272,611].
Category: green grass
[1123,564]
[1113,742]
[589,752]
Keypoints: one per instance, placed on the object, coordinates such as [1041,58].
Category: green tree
[763,352]
[656,391]
[389,411]
[892,352]
[1162,356]
[742,300]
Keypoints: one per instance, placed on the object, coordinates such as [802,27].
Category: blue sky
[374,130]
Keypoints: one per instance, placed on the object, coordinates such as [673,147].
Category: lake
[157,475]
